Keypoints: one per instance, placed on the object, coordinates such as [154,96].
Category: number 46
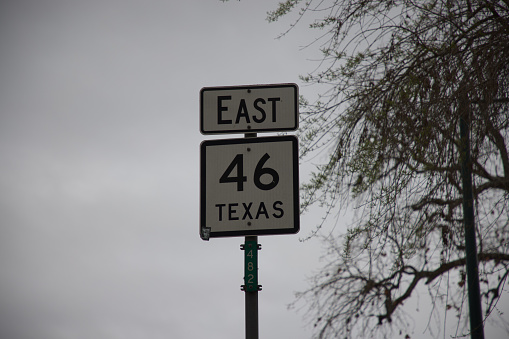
[240,179]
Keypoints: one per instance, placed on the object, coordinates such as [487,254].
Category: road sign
[245,109]
[249,186]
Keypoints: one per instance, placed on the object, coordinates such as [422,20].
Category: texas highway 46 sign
[249,186]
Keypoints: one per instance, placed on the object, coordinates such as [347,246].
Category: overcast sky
[99,147]
[99,170]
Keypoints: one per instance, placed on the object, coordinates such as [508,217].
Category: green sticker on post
[251,266]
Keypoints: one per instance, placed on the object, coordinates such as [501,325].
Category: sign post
[251,286]
[249,186]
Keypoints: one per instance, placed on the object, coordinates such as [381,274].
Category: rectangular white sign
[246,109]
[249,186]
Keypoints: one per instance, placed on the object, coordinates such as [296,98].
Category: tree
[399,76]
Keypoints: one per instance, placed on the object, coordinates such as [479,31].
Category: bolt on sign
[246,109]
[249,186]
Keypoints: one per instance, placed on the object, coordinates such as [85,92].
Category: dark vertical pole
[250,291]
[474,294]
[251,286]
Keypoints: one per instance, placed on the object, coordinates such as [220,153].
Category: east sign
[246,109]
[249,186]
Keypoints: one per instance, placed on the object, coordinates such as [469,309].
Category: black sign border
[296,203]
[252,130]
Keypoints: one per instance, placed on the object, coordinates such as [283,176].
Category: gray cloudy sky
[99,170]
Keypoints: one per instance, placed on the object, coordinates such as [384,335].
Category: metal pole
[474,294]
[251,296]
